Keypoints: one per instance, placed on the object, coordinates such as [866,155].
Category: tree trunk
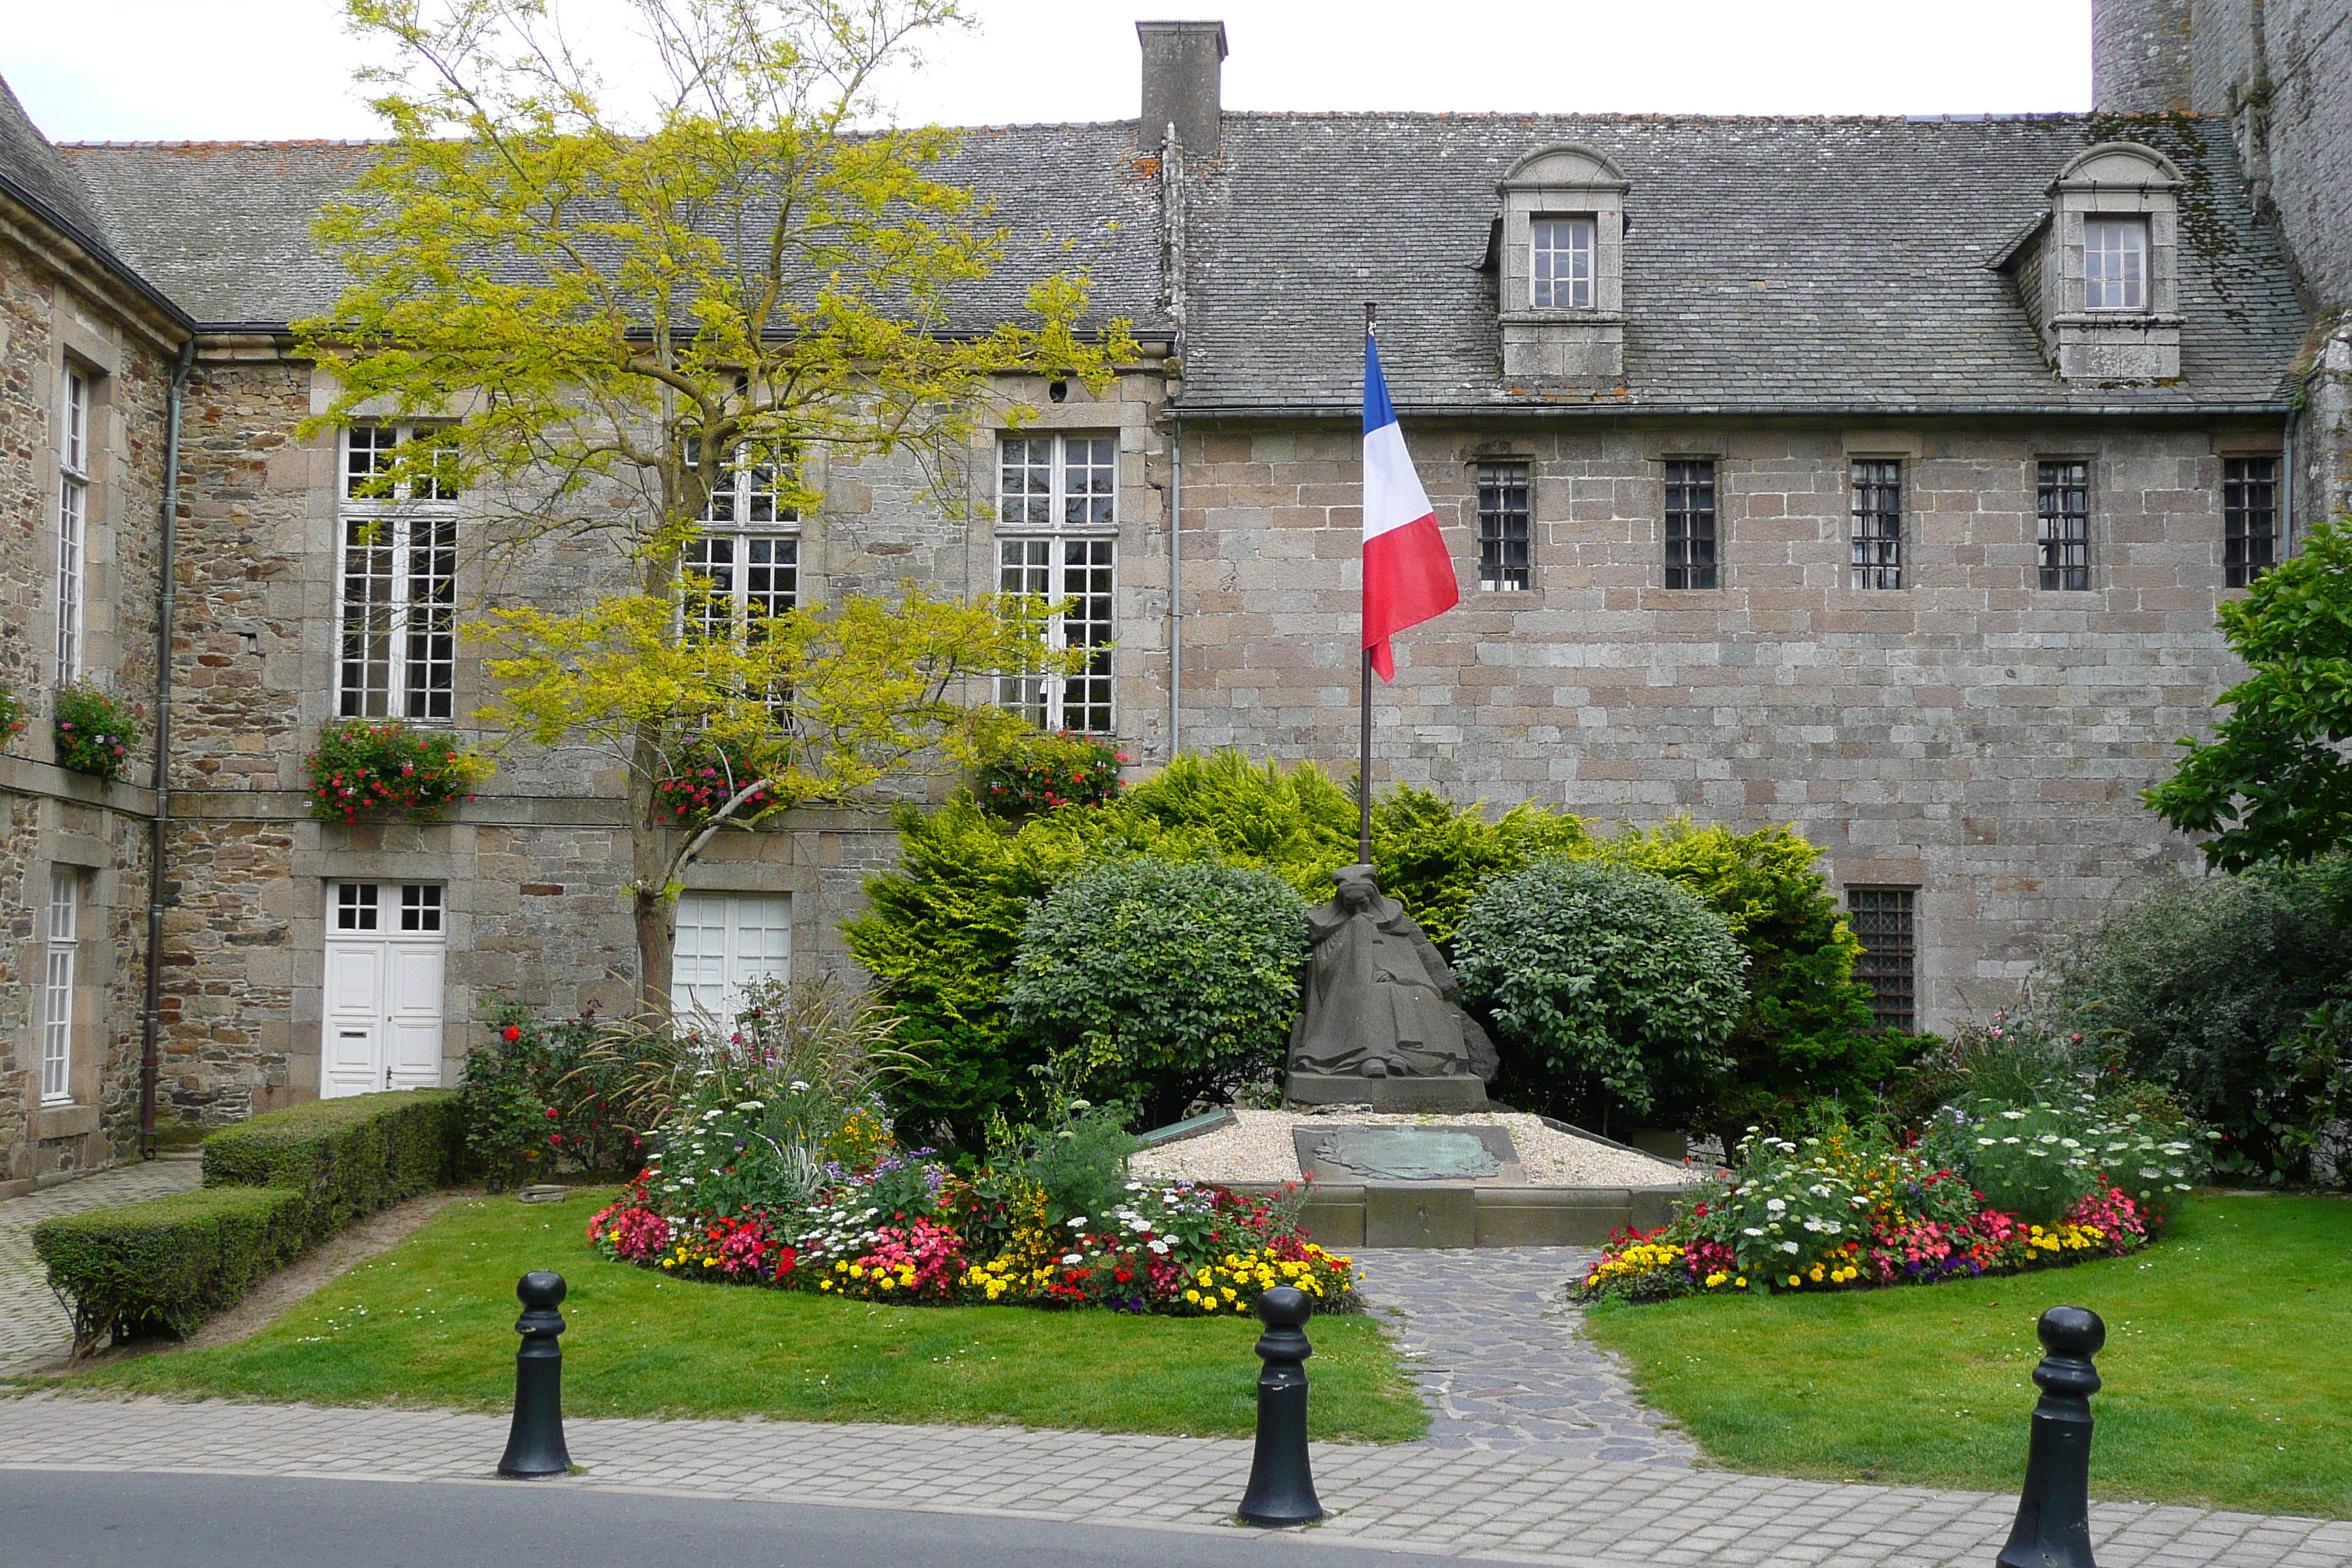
[653,913]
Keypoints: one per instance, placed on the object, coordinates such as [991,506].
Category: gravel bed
[1258,1148]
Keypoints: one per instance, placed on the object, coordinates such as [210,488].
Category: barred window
[1503,527]
[1081,572]
[2249,518]
[1885,921]
[73,519]
[1561,264]
[1690,523]
[1878,523]
[2063,529]
[397,627]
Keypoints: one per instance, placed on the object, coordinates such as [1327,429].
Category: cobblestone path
[1482,1504]
[1499,1359]
[33,1330]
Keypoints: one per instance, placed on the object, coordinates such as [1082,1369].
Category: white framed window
[726,943]
[73,518]
[58,985]
[1079,575]
[1049,489]
[1560,270]
[398,628]
[2115,263]
[746,496]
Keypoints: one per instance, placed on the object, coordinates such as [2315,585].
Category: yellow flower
[1795,1282]
[1741,1282]
[1193,1297]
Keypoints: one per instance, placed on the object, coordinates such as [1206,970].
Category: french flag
[1408,574]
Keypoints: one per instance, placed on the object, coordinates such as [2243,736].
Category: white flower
[1811,1223]
[685,1181]
[2150,1171]
[2013,1116]
[1789,1246]
[1751,1230]
[1135,1187]
[752,1105]
[1775,1204]
[1158,1246]
[1078,1222]
[2009,1140]
[1074,1257]
[798,1086]
[1987,1142]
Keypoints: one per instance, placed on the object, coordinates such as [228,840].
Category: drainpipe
[151,1022]
[1176,591]
[2287,488]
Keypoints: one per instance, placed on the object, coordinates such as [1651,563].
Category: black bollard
[2053,1514]
[535,1446]
[1281,1488]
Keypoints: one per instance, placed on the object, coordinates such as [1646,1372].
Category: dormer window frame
[1545,342]
[2115,277]
[2088,336]
[1581,252]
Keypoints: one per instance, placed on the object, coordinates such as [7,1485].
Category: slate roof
[223,227]
[32,171]
[1771,264]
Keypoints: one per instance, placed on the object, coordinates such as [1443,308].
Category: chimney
[1184,67]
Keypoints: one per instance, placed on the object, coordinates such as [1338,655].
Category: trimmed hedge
[348,1158]
[167,1262]
[275,1186]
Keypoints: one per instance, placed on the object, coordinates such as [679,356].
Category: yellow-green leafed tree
[610,302]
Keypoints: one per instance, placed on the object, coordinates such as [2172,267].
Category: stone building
[1879,475]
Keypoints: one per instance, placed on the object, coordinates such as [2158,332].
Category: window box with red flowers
[364,767]
[706,778]
[1038,773]
[95,733]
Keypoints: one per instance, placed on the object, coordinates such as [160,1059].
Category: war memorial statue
[1380,1023]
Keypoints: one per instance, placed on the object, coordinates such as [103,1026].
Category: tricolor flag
[1408,576]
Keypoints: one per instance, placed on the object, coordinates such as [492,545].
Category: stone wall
[49,817]
[536,867]
[1970,735]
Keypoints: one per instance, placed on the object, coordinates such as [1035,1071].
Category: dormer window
[2114,264]
[2099,273]
[1561,267]
[1559,246]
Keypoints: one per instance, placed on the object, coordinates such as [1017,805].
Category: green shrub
[1605,984]
[167,1263]
[543,1092]
[1080,1160]
[1168,980]
[346,1158]
[95,733]
[2213,988]
[1040,773]
[364,765]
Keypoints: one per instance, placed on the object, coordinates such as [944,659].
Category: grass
[2228,1381]
[430,1321]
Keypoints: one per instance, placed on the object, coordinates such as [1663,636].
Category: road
[51,1518]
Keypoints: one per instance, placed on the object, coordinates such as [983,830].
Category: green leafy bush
[95,733]
[541,1093]
[169,1262]
[1040,773]
[2213,988]
[364,765]
[1605,984]
[1080,1160]
[1169,979]
[346,1158]
[941,931]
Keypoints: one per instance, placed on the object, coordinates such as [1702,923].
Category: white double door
[386,946]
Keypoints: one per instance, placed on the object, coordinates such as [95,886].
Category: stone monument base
[1462,1091]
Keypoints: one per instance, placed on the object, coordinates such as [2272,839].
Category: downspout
[151,1022]
[2287,485]
[1176,590]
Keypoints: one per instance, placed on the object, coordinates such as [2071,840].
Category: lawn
[430,1321]
[2229,1381]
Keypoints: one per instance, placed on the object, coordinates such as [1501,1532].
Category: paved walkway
[33,1330]
[1458,1502]
[1497,1353]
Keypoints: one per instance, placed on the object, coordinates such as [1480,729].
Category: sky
[226,69]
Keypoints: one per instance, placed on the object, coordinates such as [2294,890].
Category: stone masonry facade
[1972,736]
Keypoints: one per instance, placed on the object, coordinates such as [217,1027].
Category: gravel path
[1259,1147]
[1502,1360]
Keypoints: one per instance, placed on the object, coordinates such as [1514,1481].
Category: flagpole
[1364,706]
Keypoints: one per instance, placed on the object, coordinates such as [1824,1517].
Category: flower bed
[95,733]
[1843,1211]
[778,1166]
[708,777]
[1039,773]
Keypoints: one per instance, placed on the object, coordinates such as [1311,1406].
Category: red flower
[553,1113]
[510,1033]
